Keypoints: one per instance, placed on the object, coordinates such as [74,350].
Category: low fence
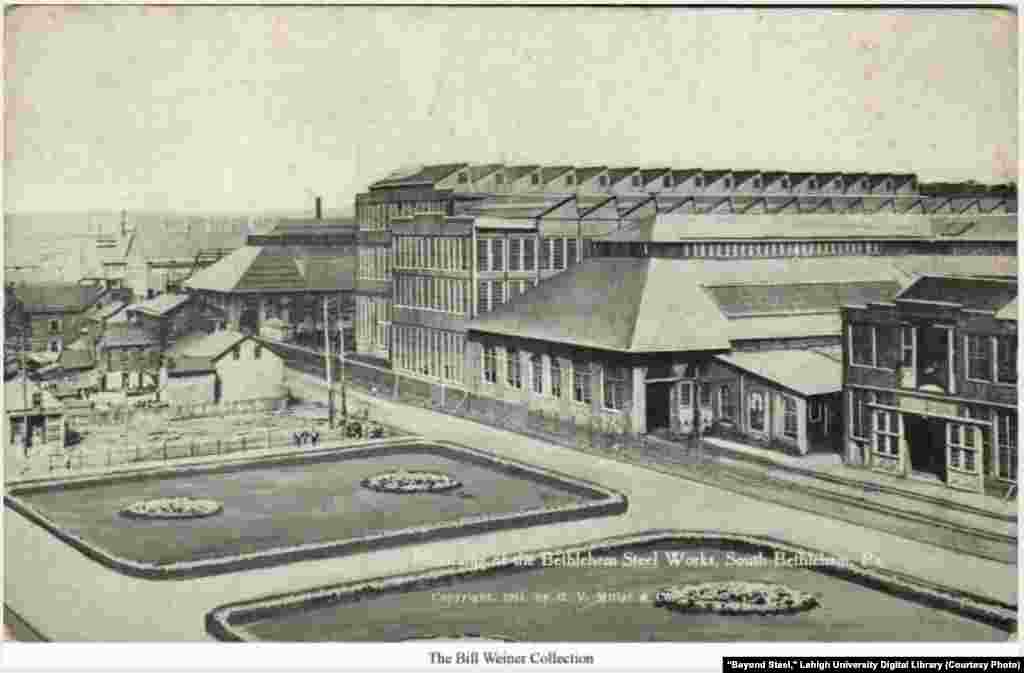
[129,414]
[175,448]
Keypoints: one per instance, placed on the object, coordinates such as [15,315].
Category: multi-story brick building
[930,382]
[578,212]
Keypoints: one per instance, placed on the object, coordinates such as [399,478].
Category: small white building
[33,410]
[242,367]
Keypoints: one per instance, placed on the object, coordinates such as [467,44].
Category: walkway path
[86,601]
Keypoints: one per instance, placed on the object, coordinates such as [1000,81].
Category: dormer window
[666,181]
[463,178]
[570,179]
[756,183]
[785,183]
[534,179]
[603,180]
[636,181]
[888,185]
[727,183]
[499,178]
[698,181]
[812,184]
[838,184]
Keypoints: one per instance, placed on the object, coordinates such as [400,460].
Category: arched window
[756,406]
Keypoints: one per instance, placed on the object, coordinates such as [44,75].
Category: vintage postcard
[511,336]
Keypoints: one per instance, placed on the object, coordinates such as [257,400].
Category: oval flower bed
[182,507]
[736,598]
[411,482]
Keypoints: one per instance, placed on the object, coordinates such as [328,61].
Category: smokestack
[319,208]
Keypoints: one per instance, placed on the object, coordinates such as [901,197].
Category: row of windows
[491,293]
[428,352]
[521,253]
[963,440]
[431,252]
[375,263]
[757,405]
[668,181]
[740,250]
[377,216]
[991,358]
[440,294]
[501,366]
[373,322]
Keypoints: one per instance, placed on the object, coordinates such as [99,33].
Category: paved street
[86,601]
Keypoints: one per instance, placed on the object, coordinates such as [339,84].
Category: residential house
[168,317]
[242,369]
[128,359]
[54,314]
[34,416]
[930,382]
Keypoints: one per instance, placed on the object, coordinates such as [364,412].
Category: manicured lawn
[269,506]
[510,603]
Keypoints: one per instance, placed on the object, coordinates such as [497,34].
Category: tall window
[907,346]
[666,181]
[1006,445]
[559,253]
[581,382]
[54,326]
[571,250]
[705,396]
[726,406]
[236,353]
[545,253]
[963,446]
[887,433]
[515,369]
[529,246]
[979,357]
[614,387]
[1006,359]
[537,373]
[483,258]
[789,419]
[515,251]
[555,377]
[862,350]
[483,303]
[686,395]
[757,414]
[490,364]
[257,351]
[498,256]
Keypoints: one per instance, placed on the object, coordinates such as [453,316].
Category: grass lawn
[268,506]
[616,604]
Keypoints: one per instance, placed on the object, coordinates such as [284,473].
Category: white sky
[222,108]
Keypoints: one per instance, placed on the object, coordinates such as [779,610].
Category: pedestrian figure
[297,439]
[316,438]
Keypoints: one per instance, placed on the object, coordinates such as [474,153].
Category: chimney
[319,208]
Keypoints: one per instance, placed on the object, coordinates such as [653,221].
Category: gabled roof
[550,173]
[806,372]
[618,174]
[213,346]
[250,269]
[162,305]
[588,172]
[516,172]
[626,305]
[57,297]
[329,272]
[126,337]
[419,175]
[478,172]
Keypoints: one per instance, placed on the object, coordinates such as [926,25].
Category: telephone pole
[341,361]
[327,363]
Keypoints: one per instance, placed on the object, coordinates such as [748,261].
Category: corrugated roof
[54,297]
[629,305]
[806,372]
[212,346]
[162,304]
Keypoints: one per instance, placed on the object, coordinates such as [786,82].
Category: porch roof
[806,372]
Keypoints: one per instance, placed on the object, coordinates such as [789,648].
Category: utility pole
[24,383]
[341,360]
[327,363]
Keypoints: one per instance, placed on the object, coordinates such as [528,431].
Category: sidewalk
[830,468]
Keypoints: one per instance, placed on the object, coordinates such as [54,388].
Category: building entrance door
[658,406]
[926,443]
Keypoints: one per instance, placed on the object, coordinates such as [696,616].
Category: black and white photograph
[510,337]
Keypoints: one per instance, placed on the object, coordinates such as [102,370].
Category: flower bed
[736,598]
[172,508]
[411,482]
